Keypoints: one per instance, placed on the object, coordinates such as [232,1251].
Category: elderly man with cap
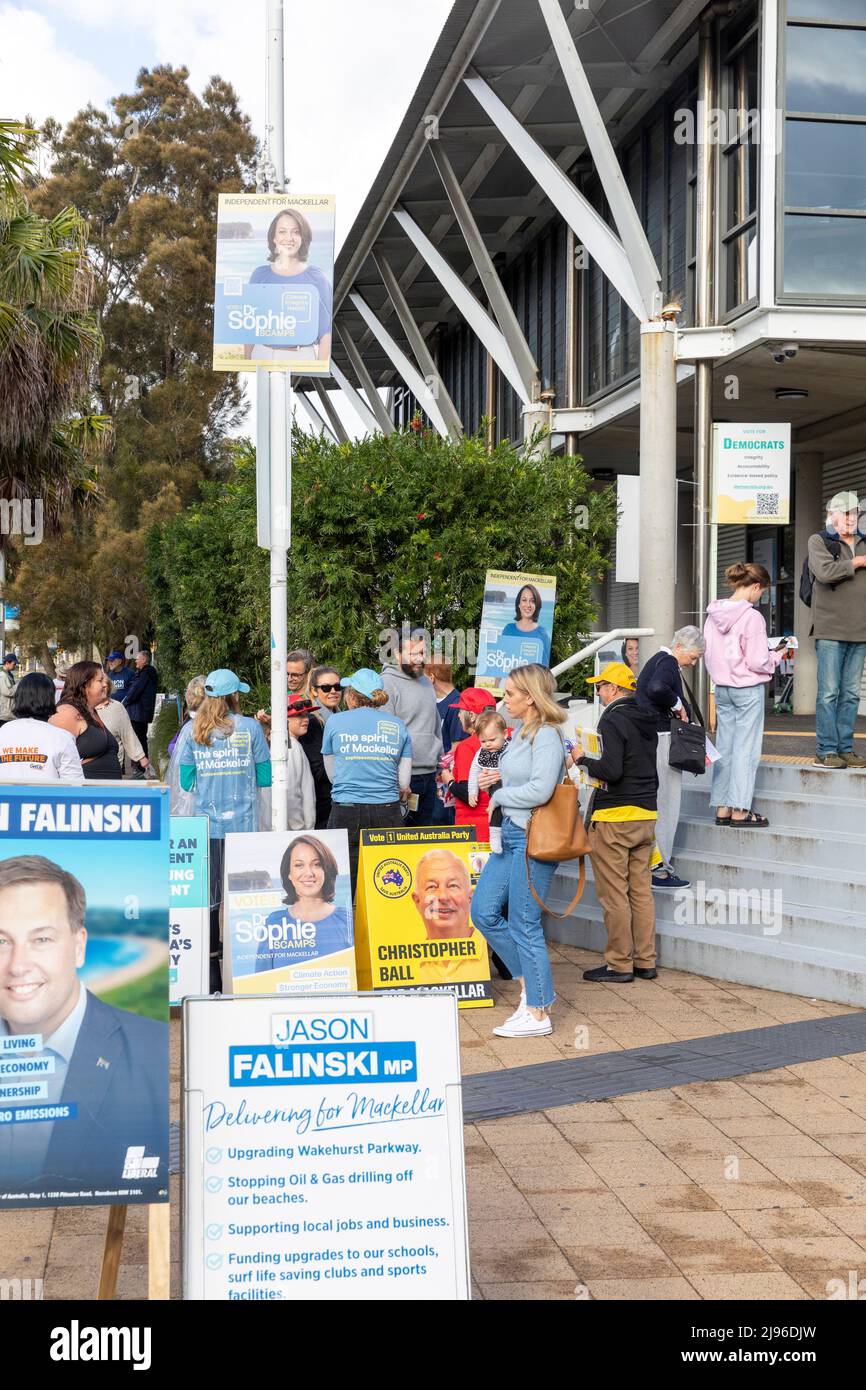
[8,685]
[120,674]
[837,558]
[622,825]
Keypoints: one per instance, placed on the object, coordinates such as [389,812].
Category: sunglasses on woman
[328,689]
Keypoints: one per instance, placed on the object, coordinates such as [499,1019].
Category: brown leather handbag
[556,833]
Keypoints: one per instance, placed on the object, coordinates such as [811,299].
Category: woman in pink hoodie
[740,663]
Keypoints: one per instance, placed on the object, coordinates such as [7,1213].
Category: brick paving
[751,1187]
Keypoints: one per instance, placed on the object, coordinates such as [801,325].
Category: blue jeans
[739,732]
[424,785]
[840,670]
[518,939]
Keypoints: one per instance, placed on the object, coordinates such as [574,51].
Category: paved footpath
[747,1187]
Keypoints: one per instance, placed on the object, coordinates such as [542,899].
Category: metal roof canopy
[631,53]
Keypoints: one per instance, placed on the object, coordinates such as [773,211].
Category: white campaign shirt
[33,751]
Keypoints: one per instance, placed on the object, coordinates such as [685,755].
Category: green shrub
[386,530]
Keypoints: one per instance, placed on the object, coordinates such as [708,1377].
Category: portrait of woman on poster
[309,873]
[289,238]
[527,608]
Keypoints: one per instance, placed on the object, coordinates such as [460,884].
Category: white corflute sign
[324,1148]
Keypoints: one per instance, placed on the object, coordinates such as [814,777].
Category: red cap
[475,700]
[301,704]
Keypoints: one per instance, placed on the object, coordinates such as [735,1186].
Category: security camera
[784,352]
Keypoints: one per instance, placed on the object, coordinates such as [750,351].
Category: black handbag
[688,750]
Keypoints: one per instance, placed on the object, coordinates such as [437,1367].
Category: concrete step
[778,845]
[815,886]
[813,782]
[830,813]
[728,954]
[767,917]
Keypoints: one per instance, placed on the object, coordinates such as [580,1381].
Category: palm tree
[49,344]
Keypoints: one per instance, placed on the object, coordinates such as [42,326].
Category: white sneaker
[521,1009]
[525,1025]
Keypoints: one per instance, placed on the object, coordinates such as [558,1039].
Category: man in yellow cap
[622,818]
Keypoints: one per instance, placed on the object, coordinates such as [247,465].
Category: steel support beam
[493,287]
[377,405]
[471,308]
[623,210]
[357,402]
[338,429]
[418,344]
[410,374]
[603,245]
[315,418]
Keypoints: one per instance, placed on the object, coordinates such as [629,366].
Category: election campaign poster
[83,995]
[323,1143]
[516,624]
[288,913]
[751,474]
[273,302]
[413,928]
[189,912]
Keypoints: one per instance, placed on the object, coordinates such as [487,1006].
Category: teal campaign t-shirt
[367,745]
[225,775]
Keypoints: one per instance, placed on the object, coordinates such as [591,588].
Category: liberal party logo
[392,878]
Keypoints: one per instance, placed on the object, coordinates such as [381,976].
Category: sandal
[723,820]
[751,819]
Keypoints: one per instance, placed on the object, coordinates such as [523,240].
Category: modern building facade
[626,221]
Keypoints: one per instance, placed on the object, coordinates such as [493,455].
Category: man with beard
[412,698]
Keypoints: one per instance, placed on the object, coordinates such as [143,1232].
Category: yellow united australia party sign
[413,928]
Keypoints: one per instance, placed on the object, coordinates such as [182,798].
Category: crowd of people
[89,726]
[403,746]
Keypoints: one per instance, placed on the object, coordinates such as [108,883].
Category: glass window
[825,255]
[825,164]
[826,9]
[825,70]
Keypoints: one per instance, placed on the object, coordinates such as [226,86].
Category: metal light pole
[279,406]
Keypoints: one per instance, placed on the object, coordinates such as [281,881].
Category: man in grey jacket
[412,698]
[837,558]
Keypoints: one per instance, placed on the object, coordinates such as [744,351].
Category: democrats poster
[83,996]
[413,927]
[516,624]
[189,920]
[288,905]
[273,302]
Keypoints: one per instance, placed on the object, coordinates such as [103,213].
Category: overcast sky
[351,68]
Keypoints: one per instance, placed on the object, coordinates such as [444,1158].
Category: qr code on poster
[768,504]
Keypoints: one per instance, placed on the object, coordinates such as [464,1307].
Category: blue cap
[223,682]
[365,681]
[114,656]
[10,656]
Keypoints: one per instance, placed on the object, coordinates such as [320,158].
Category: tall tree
[145,176]
[147,180]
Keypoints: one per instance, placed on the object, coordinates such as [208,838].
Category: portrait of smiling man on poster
[101,1068]
[442,896]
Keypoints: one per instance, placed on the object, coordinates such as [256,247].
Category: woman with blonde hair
[369,762]
[226,764]
[530,768]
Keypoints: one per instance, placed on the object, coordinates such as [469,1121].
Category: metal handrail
[598,643]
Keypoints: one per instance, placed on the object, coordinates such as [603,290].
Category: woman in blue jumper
[530,768]
[289,237]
